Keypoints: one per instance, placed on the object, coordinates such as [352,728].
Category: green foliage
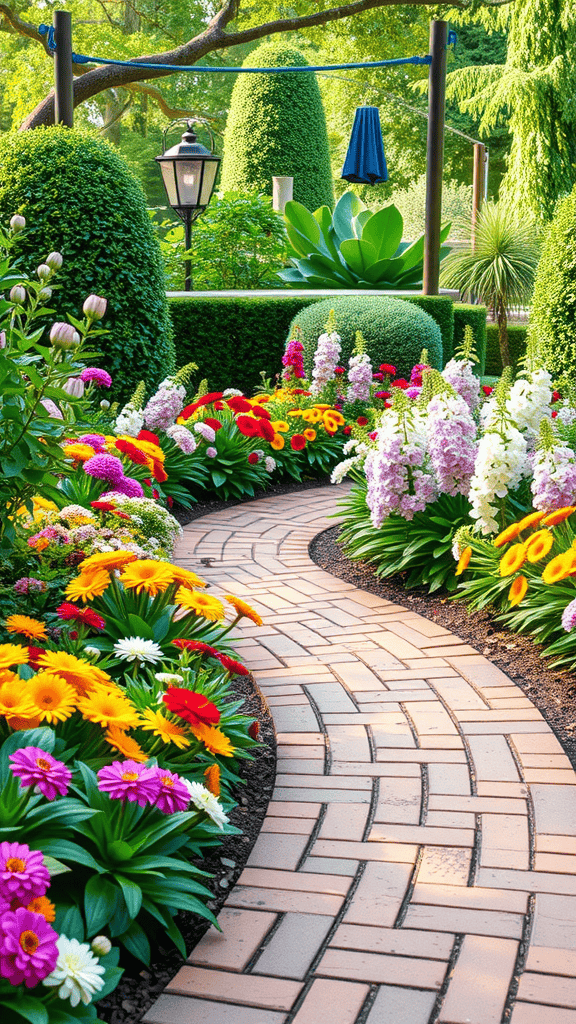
[276,126]
[352,247]
[80,199]
[516,343]
[411,202]
[395,331]
[442,310]
[421,548]
[474,317]
[239,242]
[552,331]
[233,339]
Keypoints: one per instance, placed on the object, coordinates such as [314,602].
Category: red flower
[73,634]
[253,459]
[121,515]
[195,645]
[556,396]
[159,473]
[339,370]
[362,421]
[147,481]
[261,412]
[400,383]
[298,442]
[266,430]
[554,413]
[487,391]
[192,707]
[347,430]
[215,424]
[299,391]
[104,506]
[388,368]
[155,494]
[238,404]
[147,435]
[373,435]
[387,405]
[214,396]
[385,394]
[378,376]
[169,500]
[248,426]
[91,618]
[133,453]
[253,730]
[68,612]
[33,654]
[235,668]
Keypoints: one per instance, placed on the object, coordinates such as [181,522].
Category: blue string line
[82,59]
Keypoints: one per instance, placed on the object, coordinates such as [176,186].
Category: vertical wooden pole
[435,156]
[63,77]
[478,184]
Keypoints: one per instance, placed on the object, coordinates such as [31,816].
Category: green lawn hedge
[516,343]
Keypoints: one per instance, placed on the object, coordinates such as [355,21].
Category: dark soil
[552,691]
[140,987]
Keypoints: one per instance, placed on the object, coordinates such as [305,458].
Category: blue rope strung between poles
[79,58]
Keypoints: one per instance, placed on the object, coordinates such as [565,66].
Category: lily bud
[44,272]
[104,405]
[18,295]
[45,294]
[2,339]
[94,307]
[74,387]
[64,336]
[55,260]
[17,224]
[101,945]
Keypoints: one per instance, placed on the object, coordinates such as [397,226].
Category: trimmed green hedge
[475,316]
[553,317]
[516,343]
[441,309]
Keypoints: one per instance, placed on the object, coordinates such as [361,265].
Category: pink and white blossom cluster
[359,377]
[164,406]
[326,360]
[398,471]
[459,373]
[554,481]
[452,444]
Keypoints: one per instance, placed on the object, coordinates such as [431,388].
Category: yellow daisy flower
[512,559]
[168,731]
[87,586]
[201,604]
[243,609]
[148,575]
[309,434]
[280,426]
[13,654]
[80,674]
[312,415]
[463,561]
[79,452]
[25,626]
[213,739]
[186,578]
[518,590]
[538,545]
[124,744]
[108,709]
[15,700]
[560,567]
[53,698]
[106,560]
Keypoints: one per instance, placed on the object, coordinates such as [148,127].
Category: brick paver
[417,863]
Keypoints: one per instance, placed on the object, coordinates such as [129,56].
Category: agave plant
[352,247]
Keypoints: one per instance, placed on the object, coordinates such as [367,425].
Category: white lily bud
[55,260]
[74,387]
[94,307]
[17,224]
[45,294]
[64,336]
[44,272]
[18,295]
[101,945]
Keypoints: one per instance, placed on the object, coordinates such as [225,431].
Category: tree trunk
[503,333]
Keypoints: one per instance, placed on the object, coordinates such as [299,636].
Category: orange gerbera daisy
[463,561]
[277,442]
[510,533]
[168,731]
[15,700]
[124,744]
[518,590]
[186,578]
[213,739]
[25,626]
[312,415]
[538,545]
[512,559]
[13,654]
[201,604]
[243,609]
[80,674]
[559,516]
[53,698]
[531,520]
[146,574]
[42,905]
[560,567]
[280,426]
[310,434]
[87,586]
[212,776]
[107,560]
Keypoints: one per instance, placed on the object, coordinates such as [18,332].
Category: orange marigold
[512,559]
[243,609]
[212,776]
[463,561]
[559,516]
[518,590]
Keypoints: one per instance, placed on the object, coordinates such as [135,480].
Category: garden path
[417,862]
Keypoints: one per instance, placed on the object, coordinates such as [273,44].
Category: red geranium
[103,506]
[170,500]
[238,404]
[339,370]
[192,707]
[68,612]
[33,654]
[236,668]
[259,410]
[91,618]
[299,391]
[147,435]
[378,376]
[195,645]
[248,426]
[487,390]
[133,453]
[373,435]
[388,368]
[347,430]
[215,424]
[556,396]
[266,430]
[155,493]
[298,442]
[253,459]
[400,383]
[554,413]
[362,421]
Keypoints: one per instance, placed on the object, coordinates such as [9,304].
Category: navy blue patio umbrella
[365,163]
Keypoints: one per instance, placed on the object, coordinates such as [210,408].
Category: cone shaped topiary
[79,198]
[276,126]
[552,329]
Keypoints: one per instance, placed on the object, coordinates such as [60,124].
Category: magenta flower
[128,780]
[96,441]
[35,767]
[105,467]
[128,486]
[22,873]
[98,376]
[172,794]
[28,950]
[29,585]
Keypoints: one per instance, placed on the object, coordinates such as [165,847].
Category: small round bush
[552,330]
[394,331]
[79,198]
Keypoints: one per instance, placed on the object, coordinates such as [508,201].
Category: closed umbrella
[365,163]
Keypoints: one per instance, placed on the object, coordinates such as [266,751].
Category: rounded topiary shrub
[552,330]
[79,198]
[394,331]
[276,126]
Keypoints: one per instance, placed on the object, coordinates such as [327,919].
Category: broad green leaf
[136,942]
[28,1008]
[347,207]
[64,850]
[296,215]
[384,232]
[100,899]
[140,628]
[132,894]
[70,923]
[359,255]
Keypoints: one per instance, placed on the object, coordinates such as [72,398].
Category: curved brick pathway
[417,861]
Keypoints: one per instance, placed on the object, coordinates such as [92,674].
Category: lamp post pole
[435,156]
[63,77]
[187,243]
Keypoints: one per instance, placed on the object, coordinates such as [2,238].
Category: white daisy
[135,648]
[171,678]
[77,975]
[205,801]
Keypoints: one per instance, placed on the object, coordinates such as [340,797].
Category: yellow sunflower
[213,739]
[54,700]
[87,586]
[13,654]
[538,545]
[512,559]
[243,609]
[168,731]
[463,561]
[124,744]
[108,709]
[559,516]
[201,604]
[510,533]
[148,575]
[107,560]
[80,674]
[531,520]
[14,700]
[560,567]
[212,776]
[186,578]
[518,590]
[25,626]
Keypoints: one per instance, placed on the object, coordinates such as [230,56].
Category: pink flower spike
[172,795]
[128,780]
[28,950]
[22,873]
[35,767]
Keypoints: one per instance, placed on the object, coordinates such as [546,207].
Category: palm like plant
[498,266]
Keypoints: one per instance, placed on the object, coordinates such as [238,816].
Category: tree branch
[23,28]
[172,113]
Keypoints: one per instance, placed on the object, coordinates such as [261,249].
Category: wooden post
[63,77]
[435,156]
[478,184]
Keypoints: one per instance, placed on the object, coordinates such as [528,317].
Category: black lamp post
[189,173]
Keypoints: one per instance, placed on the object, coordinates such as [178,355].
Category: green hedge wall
[516,343]
[441,309]
[475,316]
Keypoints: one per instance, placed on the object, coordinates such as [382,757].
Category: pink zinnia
[171,793]
[100,377]
[28,950]
[22,873]
[35,767]
[128,780]
[105,467]
[96,441]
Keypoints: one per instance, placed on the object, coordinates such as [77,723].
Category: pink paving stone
[401,853]
[284,900]
[480,982]
[448,779]
[556,844]
[300,881]
[332,1002]
[555,921]
[270,850]
[184,1010]
[242,933]
[527,881]
[505,841]
[473,896]
[441,865]
[493,759]
[388,833]
[285,826]
[458,920]
[345,821]
[293,946]
[555,808]
[546,960]
[378,968]
[553,991]
[528,1013]
[399,801]
[400,941]
[379,895]
[246,989]
[557,862]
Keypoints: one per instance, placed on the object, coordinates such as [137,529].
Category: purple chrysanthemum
[100,377]
[128,780]
[105,467]
[128,486]
[96,441]
[22,873]
[28,950]
[172,794]
[35,767]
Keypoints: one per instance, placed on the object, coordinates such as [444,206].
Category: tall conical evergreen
[276,126]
